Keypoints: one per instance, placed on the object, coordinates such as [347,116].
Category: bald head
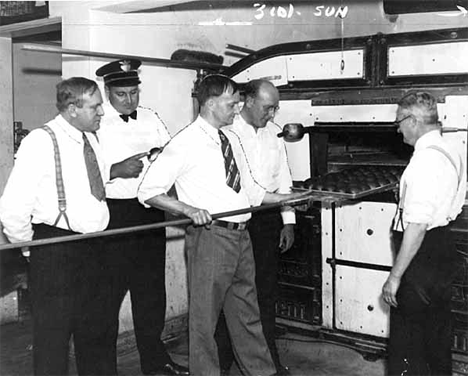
[261,103]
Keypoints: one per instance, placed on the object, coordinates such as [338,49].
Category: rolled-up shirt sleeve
[285,183]
[162,173]
[288,216]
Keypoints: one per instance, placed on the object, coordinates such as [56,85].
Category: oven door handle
[355,264]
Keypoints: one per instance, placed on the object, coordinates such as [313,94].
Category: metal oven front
[341,97]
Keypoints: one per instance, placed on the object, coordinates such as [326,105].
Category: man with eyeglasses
[210,179]
[418,289]
[254,134]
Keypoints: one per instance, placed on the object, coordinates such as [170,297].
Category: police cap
[120,73]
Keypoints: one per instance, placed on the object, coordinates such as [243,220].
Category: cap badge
[125,65]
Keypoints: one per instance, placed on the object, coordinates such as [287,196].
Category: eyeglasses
[273,109]
[398,122]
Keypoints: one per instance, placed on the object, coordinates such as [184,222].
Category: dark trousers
[264,229]
[66,294]
[136,262]
[421,325]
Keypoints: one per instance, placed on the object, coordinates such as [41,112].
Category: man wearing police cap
[135,262]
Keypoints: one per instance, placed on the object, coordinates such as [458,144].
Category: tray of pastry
[353,183]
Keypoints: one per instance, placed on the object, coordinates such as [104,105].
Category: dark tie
[94,174]
[232,172]
[133,115]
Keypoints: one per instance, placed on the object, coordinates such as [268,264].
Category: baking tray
[353,183]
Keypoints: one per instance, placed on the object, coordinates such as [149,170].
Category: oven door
[357,256]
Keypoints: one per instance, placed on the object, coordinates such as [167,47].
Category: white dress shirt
[430,192]
[194,162]
[30,195]
[266,156]
[120,140]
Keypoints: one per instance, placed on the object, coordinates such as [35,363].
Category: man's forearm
[198,216]
[413,237]
[274,198]
[169,204]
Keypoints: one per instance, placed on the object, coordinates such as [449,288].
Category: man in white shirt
[220,261]
[254,134]
[55,192]
[135,262]
[418,289]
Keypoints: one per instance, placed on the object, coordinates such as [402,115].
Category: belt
[230,225]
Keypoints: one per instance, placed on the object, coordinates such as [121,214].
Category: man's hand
[296,200]
[301,196]
[199,217]
[390,289]
[413,237]
[26,253]
[286,237]
[128,168]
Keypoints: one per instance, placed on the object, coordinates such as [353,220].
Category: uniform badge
[125,65]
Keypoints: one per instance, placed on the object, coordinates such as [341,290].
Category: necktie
[133,115]
[232,172]
[94,174]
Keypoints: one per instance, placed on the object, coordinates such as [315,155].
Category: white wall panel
[363,232]
[327,271]
[364,113]
[448,58]
[359,306]
[454,114]
[326,65]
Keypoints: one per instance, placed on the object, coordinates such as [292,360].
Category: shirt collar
[69,129]
[241,126]
[427,139]
[246,127]
[208,128]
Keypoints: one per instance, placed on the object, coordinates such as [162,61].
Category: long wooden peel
[192,65]
[177,222]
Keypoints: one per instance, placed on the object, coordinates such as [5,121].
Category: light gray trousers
[221,273]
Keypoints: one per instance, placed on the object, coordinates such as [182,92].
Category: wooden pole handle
[304,199]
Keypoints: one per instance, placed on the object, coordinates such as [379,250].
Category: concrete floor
[302,354]
[307,356]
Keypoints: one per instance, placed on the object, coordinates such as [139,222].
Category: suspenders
[62,202]
[438,148]
[403,190]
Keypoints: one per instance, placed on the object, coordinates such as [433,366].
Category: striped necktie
[232,172]
[94,174]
